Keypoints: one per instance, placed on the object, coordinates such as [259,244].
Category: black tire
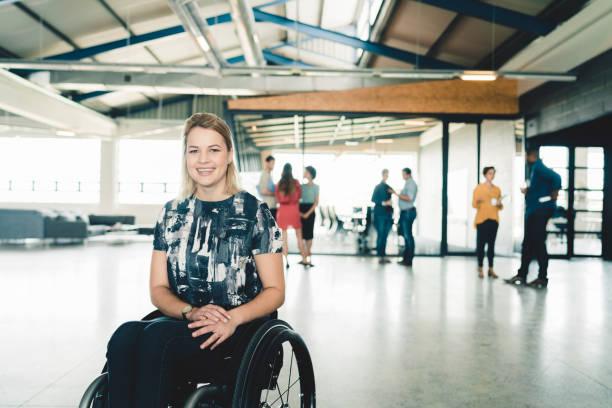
[259,371]
[209,396]
[96,394]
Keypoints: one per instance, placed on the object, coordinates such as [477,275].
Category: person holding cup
[487,201]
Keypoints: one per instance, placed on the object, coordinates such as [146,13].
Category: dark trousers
[383,223]
[146,358]
[486,232]
[406,220]
[534,242]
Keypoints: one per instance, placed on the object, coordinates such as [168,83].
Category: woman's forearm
[265,303]
[167,302]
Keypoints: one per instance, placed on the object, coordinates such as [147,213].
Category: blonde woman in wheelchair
[216,265]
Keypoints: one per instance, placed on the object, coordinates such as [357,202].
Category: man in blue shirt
[383,216]
[540,203]
[408,214]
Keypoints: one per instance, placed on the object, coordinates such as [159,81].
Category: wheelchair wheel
[276,370]
[95,395]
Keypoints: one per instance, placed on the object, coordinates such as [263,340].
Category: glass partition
[462,179]
[428,231]
[349,154]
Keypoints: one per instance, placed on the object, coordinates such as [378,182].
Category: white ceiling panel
[23,36]
[308,11]
[96,104]
[338,14]
[61,14]
[136,55]
[175,49]
[115,99]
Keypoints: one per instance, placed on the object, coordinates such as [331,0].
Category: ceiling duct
[191,18]
[242,15]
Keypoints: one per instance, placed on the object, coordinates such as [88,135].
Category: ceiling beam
[281,60]
[141,38]
[113,45]
[55,111]
[494,14]
[89,95]
[380,49]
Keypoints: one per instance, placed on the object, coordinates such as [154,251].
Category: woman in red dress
[288,193]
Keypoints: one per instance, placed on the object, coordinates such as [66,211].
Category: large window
[52,170]
[149,171]
[347,181]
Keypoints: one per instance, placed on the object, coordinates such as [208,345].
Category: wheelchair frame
[258,358]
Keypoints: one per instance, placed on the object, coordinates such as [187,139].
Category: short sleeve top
[309,193]
[379,195]
[210,247]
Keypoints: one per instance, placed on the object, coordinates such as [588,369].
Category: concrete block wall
[556,106]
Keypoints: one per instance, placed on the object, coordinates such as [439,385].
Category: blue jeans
[406,220]
[383,223]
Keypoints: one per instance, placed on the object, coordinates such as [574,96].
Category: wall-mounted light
[351,143]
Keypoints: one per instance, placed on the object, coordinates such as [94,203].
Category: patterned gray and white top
[210,247]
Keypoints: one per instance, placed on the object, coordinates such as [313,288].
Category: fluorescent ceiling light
[478,76]
[351,143]
[67,133]
[384,141]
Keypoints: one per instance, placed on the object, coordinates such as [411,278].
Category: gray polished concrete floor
[380,336]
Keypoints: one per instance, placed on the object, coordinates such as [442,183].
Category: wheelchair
[269,366]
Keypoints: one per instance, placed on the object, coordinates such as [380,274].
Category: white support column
[109,176]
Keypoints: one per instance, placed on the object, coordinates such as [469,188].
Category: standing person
[383,216]
[215,266]
[266,185]
[408,214]
[541,198]
[288,194]
[308,203]
[487,201]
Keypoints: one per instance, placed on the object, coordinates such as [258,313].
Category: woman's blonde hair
[213,122]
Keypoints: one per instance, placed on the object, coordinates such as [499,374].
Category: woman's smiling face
[207,157]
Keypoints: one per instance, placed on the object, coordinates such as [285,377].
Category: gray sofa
[17,224]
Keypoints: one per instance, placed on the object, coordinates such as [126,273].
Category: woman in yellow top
[487,201]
